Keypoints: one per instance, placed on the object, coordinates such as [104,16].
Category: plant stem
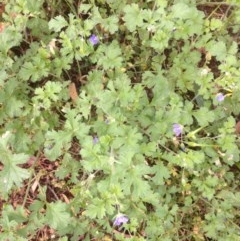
[30,178]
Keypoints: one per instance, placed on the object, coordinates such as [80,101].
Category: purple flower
[93,39]
[220,97]
[95,140]
[120,219]
[177,129]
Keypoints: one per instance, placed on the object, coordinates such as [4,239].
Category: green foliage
[87,128]
[57,216]
[11,174]
[57,23]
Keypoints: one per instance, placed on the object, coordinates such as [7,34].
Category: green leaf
[218,49]
[57,215]
[36,206]
[134,184]
[110,56]
[14,107]
[216,23]
[34,6]
[96,209]
[57,23]
[39,28]
[204,116]
[110,24]
[11,173]
[49,94]
[74,125]
[69,165]
[133,17]
[181,10]
[84,104]
[36,69]
[27,71]
[9,38]
[3,77]
[161,174]
[160,40]
[61,64]
[63,239]
[84,8]
[56,143]
[148,149]
[17,214]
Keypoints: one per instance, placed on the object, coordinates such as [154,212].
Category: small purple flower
[93,39]
[220,97]
[120,219]
[177,129]
[95,140]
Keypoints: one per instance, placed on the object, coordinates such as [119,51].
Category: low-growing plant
[119,120]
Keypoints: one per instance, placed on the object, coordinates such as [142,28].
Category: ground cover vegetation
[119,120]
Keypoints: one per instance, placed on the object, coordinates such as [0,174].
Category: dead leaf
[35,185]
[2,8]
[2,26]
[65,198]
[237,127]
[52,46]
[73,92]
